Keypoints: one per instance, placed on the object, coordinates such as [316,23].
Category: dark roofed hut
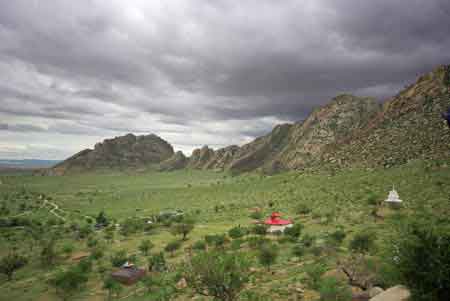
[128,274]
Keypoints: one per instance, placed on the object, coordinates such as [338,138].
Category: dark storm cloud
[181,67]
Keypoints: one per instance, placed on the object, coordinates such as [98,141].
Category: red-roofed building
[276,223]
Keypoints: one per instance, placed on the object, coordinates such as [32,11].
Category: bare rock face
[396,293]
[200,157]
[177,161]
[127,151]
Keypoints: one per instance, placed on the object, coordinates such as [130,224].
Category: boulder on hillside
[396,293]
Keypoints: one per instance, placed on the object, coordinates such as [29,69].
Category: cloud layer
[198,72]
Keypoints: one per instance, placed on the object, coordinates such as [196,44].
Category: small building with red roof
[276,223]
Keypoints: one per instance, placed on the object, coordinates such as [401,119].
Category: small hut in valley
[128,274]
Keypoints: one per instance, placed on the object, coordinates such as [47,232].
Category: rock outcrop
[127,151]
[177,161]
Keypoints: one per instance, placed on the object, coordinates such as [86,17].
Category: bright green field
[218,201]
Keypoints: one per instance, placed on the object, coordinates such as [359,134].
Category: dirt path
[53,211]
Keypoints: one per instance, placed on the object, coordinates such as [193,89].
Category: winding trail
[53,211]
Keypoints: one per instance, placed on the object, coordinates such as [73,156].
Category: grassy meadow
[322,202]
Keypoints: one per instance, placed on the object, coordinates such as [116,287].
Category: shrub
[119,258]
[217,274]
[259,229]
[294,231]
[157,263]
[315,272]
[68,249]
[256,241]
[183,228]
[236,244]
[69,282]
[421,258]
[145,246]
[308,240]
[332,289]
[267,255]
[237,232]
[112,286]
[172,246]
[337,236]
[97,252]
[10,263]
[217,240]
[298,250]
[199,245]
[256,215]
[362,242]
[303,209]
[160,287]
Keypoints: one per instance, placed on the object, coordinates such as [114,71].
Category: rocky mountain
[127,151]
[348,131]
[408,127]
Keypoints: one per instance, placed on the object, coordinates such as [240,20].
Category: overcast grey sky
[198,72]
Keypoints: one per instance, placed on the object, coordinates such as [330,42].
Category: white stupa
[393,197]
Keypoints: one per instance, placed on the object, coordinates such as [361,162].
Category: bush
[303,209]
[332,289]
[315,272]
[145,246]
[337,236]
[160,287]
[298,250]
[267,255]
[259,229]
[172,246]
[237,232]
[10,263]
[256,215]
[236,244]
[183,228]
[217,274]
[421,258]
[294,232]
[256,241]
[362,242]
[157,263]
[217,240]
[199,245]
[308,240]
[69,282]
[119,258]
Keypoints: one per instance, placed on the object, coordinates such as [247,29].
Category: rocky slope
[127,151]
[408,127]
[177,161]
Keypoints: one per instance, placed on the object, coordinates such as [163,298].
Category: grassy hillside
[218,202]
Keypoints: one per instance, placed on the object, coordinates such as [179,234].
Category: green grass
[218,201]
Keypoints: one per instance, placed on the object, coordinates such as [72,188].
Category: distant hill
[348,131]
[26,163]
[123,152]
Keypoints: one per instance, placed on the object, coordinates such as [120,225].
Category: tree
[267,255]
[157,263]
[101,219]
[172,246]
[67,283]
[217,274]
[48,253]
[237,232]
[145,246]
[420,256]
[11,263]
[112,287]
[184,227]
